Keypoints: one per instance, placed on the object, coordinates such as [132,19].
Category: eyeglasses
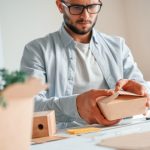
[78,9]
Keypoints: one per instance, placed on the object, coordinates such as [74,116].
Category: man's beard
[75,29]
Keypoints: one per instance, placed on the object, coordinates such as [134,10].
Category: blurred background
[23,21]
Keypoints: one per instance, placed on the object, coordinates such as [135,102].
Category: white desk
[89,141]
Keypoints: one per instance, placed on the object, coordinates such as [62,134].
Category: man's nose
[85,13]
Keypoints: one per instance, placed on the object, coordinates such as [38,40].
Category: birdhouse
[44,124]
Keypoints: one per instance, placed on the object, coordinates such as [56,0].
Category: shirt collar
[94,36]
[67,39]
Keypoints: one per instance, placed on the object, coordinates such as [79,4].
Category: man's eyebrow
[74,3]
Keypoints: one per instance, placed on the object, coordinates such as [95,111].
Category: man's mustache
[83,21]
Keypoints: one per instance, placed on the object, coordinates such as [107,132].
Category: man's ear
[59,5]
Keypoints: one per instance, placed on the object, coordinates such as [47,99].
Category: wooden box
[122,104]
[44,124]
[16,119]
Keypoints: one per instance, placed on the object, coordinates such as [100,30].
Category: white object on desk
[136,141]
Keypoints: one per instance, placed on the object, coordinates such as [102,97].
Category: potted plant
[16,109]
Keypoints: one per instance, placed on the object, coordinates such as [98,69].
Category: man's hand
[134,87]
[89,110]
[131,86]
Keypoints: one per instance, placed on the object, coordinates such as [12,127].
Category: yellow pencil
[83,130]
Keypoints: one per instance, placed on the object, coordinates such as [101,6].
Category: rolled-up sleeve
[65,107]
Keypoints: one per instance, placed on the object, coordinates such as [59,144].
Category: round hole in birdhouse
[40,126]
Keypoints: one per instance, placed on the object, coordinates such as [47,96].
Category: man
[80,64]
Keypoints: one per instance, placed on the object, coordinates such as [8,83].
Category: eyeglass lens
[77,9]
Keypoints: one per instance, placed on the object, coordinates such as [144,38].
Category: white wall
[111,18]
[22,21]
[1,52]
[138,27]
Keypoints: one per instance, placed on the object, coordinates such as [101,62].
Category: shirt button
[70,79]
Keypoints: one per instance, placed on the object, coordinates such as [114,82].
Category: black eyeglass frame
[83,7]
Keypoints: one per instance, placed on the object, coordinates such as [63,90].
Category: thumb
[120,84]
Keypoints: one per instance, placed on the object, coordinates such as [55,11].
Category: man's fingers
[141,91]
[120,84]
[106,122]
[102,120]
[137,89]
[130,86]
[98,93]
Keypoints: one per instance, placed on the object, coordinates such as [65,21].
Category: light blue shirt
[52,58]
